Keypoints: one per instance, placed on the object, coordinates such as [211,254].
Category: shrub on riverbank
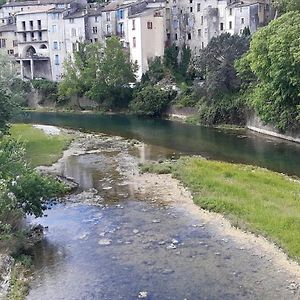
[151,101]
[253,198]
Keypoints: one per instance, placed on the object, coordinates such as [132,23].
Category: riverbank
[44,144]
[163,188]
[254,199]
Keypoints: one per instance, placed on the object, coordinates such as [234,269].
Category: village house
[42,34]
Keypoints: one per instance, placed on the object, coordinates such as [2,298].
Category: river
[113,242]
[227,145]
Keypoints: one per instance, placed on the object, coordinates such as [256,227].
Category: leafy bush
[150,101]
[273,63]
[22,189]
[48,89]
[230,109]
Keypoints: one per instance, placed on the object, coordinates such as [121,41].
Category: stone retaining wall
[255,124]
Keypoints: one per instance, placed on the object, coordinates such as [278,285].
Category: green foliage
[22,188]
[283,6]
[48,89]
[41,149]
[229,109]
[219,91]
[156,71]
[274,61]
[165,167]
[10,84]
[150,101]
[100,73]
[171,58]
[7,108]
[187,97]
[260,200]
[215,64]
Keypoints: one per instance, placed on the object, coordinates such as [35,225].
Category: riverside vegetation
[255,199]
[232,77]
[22,189]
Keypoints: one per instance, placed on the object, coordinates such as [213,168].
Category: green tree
[80,71]
[274,61]
[114,73]
[283,6]
[215,63]
[151,101]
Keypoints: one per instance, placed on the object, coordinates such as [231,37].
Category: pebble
[175,242]
[167,271]
[104,242]
[156,221]
[171,246]
[135,231]
[143,295]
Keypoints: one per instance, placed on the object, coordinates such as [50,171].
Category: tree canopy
[274,61]
[215,63]
[102,73]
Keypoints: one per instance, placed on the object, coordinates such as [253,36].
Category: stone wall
[255,124]
[181,113]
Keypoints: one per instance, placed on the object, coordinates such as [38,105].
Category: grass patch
[20,277]
[253,198]
[157,168]
[41,149]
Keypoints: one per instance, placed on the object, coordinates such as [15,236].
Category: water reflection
[212,143]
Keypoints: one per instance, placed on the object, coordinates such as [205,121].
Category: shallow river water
[118,244]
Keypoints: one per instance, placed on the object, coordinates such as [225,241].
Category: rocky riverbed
[126,235]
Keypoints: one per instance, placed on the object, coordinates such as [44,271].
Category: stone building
[42,34]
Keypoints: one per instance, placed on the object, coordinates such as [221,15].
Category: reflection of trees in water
[47,255]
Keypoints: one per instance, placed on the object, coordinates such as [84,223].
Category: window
[55,16]
[55,45]
[96,40]
[202,45]
[54,28]
[108,29]
[31,24]
[149,25]
[95,30]
[198,6]
[191,9]
[230,25]
[73,32]
[230,11]
[242,20]
[96,19]
[23,25]
[74,47]
[108,16]
[40,35]
[134,42]
[32,35]
[199,32]
[56,59]
[189,36]
[2,43]
[71,21]
[221,26]
[133,24]
[176,37]
[191,1]
[201,20]
[24,37]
